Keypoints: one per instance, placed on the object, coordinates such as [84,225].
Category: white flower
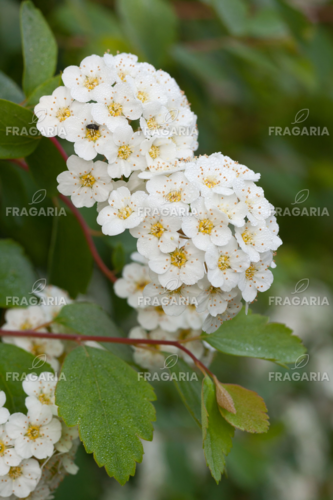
[150,357]
[4,413]
[53,110]
[24,319]
[52,301]
[206,226]
[68,434]
[125,152]
[34,434]
[225,264]
[84,80]
[151,318]
[115,105]
[173,302]
[212,323]
[89,137]
[123,212]
[253,196]
[148,91]
[196,346]
[124,65]
[85,182]
[254,240]
[213,300]
[155,121]
[208,174]
[69,465]
[241,171]
[161,156]
[256,278]
[234,209]
[274,228]
[174,192]
[156,231]
[41,391]
[131,285]
[192,318]
[8,456]
[44,349]
[21,480]
[183,265]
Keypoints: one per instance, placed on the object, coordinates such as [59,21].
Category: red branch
[114,340]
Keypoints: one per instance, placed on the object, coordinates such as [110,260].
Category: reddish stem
[114,340]
[59,148]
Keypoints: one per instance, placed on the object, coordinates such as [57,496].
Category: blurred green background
[247,67]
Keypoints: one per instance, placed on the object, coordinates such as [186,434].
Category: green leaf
[189,389]
[251,412]
[39,48]
[251,335]
[111,406]
[89,319]
[14,364]
[118,257]
[18,134]
[45,88]
[70,260]
[16,273]
[45,164]
[9,90]
[150,25]
[232,14]
[216,432]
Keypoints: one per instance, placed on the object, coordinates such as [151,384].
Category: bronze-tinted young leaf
[251,412]
[223,398]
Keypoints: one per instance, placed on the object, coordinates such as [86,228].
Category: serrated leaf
[16,273]
[216,432]
[89,319]
[9,90]
[251,335]
[14,363]
[45,88]
[18,134]
[39,48]
[70,261]
[111,406]
[46,154]
[188,384]
[251,412]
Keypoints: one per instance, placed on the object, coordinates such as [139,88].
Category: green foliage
[103,396]
[251,335]
[16,273]
[15,364]
[251,412]
[70,262]
[39,48]
[45,164]
[9,90]
[233,15]
[18,134]
[43,89]
[216,432]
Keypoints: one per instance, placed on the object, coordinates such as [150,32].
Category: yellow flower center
[140,285]
[92,132]
[184,334]
[247,237]
[157,230]
[37,349]
[87,180]
[210,182]
[154,152]
[115,109]
[249,273]
[152,123]
[174,196]
[178,258]
[122,76]
[63,114]
[224,262]
[15,472]
[2,447]
[33,432]
[124,152]
[124,213]
[142,96]
[26,325]
[44,399]
[205,226]
[159,310]
[91,82]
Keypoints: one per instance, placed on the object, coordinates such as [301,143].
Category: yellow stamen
[63,114]
[26,325]
[124,213]
[250,272]
[91,82]
[154,152]
[174,196]
[224,262]
[210,182]
[92,134]
[15,472]
[2,447]
[205,226]
[152,123]
[178,258]
[115,109]
[247,237]
[142,96]
[87,180]
[124,152]
[157,230]
[45,400]
[33,432]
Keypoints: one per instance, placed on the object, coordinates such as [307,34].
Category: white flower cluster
[30,443]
